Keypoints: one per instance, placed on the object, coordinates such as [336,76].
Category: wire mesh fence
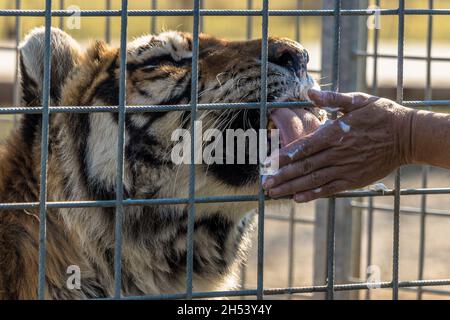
[120,203]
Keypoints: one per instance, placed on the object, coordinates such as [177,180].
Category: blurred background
[295,235]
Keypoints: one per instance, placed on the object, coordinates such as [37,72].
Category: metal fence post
[348,222]
[353,39]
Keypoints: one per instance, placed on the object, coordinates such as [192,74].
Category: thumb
[345,102]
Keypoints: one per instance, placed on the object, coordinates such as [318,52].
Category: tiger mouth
[290,123]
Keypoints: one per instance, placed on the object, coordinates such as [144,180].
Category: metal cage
[197,13]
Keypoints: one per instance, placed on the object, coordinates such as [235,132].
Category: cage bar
[120,154]
[44,150]
[421,286]
[194,100]
[263,124]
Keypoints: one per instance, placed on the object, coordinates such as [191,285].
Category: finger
[299,168]
[324,191]
[311,181]
[345,102]
[315,142]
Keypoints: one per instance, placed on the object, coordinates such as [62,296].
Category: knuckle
[361,96]
[291,170]
[385,103]
[333,97]
[314,178]
[283,174]
[306,166]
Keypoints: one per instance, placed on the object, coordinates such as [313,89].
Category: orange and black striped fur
[82,164]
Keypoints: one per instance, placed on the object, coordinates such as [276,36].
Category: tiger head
[159,72]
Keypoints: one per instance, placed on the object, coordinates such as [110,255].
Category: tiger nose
[289,57]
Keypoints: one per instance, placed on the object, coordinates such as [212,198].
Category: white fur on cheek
[102,150]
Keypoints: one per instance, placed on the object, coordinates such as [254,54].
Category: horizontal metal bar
[188,12]
[127,202]
[294,290]
[426,103]
[428,290]
[152,108]
[8,48]
[212,12]
[413,289]
[314,70]
[405,210]
[186,107]
[217,199]
[361,53]
[288,219]
[403,192]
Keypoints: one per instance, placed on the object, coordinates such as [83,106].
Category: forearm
[430,139]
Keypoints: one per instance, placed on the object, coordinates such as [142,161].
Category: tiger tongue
[289,124]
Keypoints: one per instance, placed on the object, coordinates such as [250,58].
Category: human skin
[371,138]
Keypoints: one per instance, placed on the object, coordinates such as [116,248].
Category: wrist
[430,137]
[405,133]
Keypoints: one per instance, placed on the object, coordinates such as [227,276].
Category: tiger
[82,162]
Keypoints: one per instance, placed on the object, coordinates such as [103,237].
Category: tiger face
[159,72]
[83,149]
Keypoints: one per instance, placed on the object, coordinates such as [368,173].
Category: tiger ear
[66,54]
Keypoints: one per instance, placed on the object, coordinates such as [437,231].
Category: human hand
[366,143]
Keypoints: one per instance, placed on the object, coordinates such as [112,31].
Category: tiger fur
[82,164]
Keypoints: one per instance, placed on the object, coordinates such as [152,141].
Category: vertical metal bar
[422,237]
[291,246]
[292,212]
[61,19]
[194,101]
[425,169]
[108,23]
[369,240]
[336,44]
[249,30]
[44,150]
[396,242]
[243,276]
[120,153]
[331,221]
[428,90]
[263,124]
[249,21]
[376,38]
[297,22]
[332,202]
[16,98]
[202,18]
[154,21]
